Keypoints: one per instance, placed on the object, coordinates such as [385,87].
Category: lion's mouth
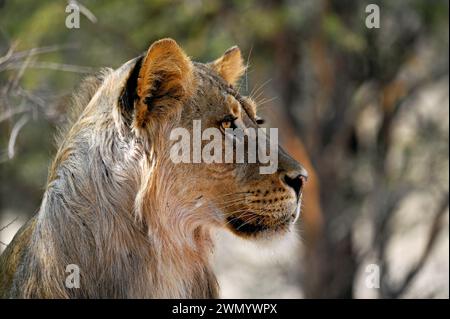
[256,224]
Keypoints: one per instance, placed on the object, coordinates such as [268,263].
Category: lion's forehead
[210,79]
[213,86]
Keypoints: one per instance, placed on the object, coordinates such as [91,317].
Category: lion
[135,224]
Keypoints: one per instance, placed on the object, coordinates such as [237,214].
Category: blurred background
[365,109]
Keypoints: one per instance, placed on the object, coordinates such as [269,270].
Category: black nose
[295,180]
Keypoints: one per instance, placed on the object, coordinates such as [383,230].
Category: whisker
[246,68]
[265,101]
[244,213]
[248,222]
[255,91]
[228,203]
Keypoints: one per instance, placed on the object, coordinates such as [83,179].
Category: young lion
[134,223]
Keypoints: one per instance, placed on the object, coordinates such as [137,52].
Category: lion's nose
[295,179]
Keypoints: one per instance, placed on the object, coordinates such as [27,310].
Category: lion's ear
[164,81]
[230,65]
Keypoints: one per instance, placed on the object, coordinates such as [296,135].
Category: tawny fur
[96,213]
[117,207]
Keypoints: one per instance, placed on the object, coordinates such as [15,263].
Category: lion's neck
[99,215]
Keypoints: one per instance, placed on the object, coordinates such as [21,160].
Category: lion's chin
[256,226]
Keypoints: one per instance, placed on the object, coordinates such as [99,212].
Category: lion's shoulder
[13,255]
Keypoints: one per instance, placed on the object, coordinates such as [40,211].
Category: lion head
[166,92]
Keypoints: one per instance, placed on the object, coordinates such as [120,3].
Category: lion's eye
[260,121]
[228,122]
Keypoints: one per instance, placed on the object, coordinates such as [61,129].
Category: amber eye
[228,122]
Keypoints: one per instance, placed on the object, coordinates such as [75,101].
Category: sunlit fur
[136,224]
